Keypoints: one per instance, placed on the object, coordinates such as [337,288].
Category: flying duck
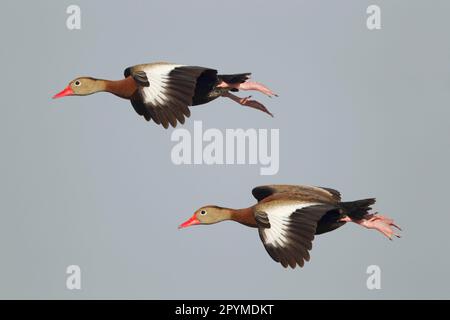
[163,91]
[289,216]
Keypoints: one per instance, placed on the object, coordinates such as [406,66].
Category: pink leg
[248,85]
[378,222]
[247,102]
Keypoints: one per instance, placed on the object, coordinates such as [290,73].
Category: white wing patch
[157,75]
[165,91]
[279,219]
[287,230]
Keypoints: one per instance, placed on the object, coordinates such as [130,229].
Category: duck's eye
[203,212]
[77,83]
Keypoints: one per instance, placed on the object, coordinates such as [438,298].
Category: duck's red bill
[66,92]
[192,221]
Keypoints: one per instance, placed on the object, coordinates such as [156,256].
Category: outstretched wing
[287,231]
[321,194]
[165,91]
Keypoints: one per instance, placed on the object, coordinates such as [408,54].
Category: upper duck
[163,91]
[289,216]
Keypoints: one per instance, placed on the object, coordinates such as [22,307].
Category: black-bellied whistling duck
[163,91]
[288,217]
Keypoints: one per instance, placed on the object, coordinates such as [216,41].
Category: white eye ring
[77,83]
[203,212]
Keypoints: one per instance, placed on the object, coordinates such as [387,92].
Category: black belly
[205,89]
[329,222]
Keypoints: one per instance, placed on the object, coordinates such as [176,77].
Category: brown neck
[244,216]
[122,88]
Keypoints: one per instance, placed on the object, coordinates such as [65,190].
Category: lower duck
[289,216]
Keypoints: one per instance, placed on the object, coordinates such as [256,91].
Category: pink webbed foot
[377,222]
[254,104]
[248,103]
[249,85]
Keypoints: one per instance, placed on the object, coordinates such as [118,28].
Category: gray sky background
[86,181]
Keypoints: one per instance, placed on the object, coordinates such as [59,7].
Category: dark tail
[357,209]
[234,78]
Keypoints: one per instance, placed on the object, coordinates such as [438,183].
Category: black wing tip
[261,192]
[127,72]
[285,257]
[334,193]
